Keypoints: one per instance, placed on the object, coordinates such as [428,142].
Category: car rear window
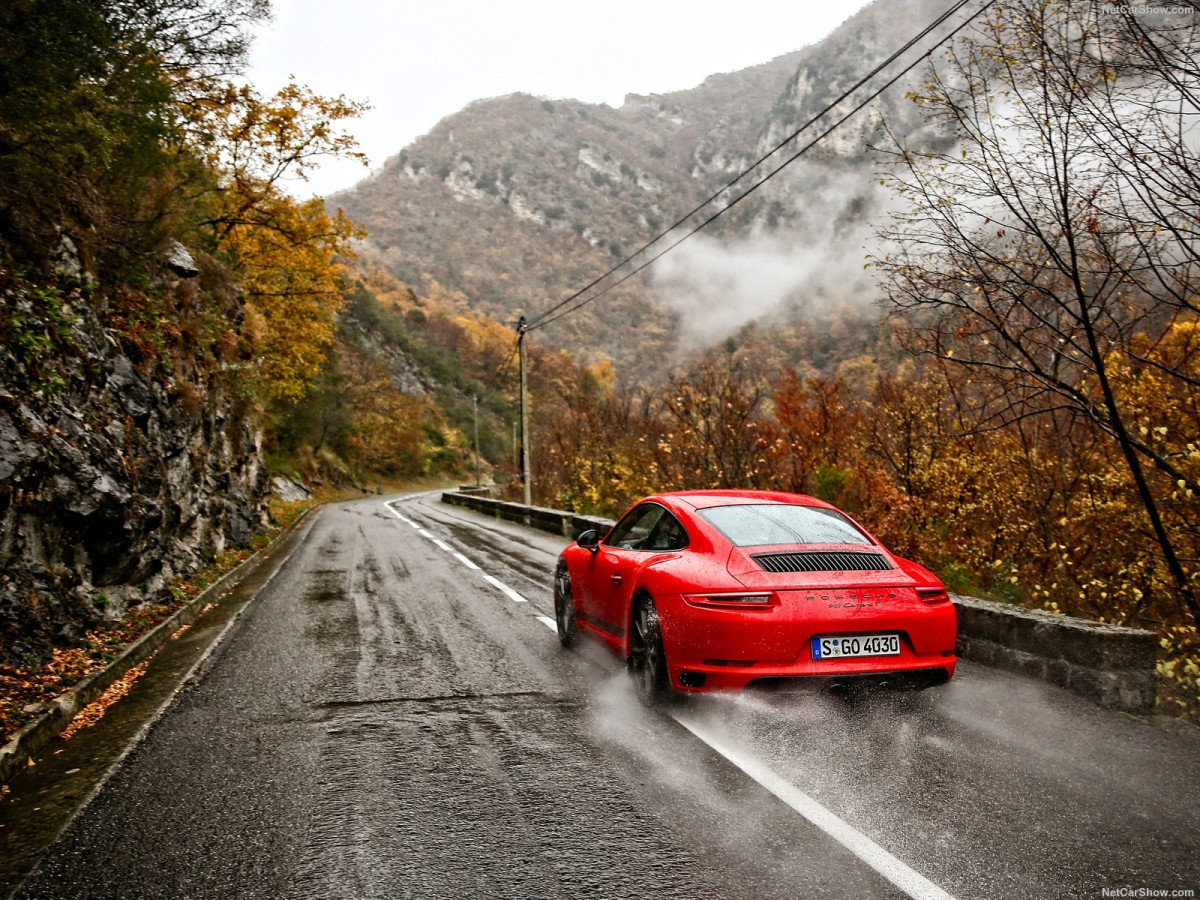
[755,525]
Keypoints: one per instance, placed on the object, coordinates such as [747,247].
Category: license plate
[856,645]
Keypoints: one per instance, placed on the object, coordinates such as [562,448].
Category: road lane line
[505,589]
[462,559]
[548,622]
[466,562]
[906,879]
[404,519]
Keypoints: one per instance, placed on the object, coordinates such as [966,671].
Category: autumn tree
[597,442]
[1039,257]
[712,414]
[814,435]
[287,252]
[90,95]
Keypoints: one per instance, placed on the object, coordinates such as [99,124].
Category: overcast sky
[418,62]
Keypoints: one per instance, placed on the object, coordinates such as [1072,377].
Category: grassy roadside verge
[26,691]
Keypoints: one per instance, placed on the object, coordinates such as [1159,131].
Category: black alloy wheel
[647,659]
[564,605]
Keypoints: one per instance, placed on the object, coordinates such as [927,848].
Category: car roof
[706,499]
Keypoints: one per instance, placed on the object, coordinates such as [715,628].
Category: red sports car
[717,590]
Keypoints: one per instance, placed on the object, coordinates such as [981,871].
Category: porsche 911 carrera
[721,590]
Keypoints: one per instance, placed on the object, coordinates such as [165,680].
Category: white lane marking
[911,882]
[462,559]
[548,622]
[495,582]
[466,562]
[504,589]
[404,519]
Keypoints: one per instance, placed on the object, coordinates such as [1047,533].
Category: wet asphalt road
[387,723]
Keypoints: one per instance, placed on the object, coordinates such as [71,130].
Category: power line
[502,372]
[549,315]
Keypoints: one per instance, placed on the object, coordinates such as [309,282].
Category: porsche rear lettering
[853,600]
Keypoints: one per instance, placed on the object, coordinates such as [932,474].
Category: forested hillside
[161,296]
[517,201]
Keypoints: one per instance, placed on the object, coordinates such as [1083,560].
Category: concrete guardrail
[1111,665]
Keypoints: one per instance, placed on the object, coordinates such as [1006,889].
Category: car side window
[668,534]
[633,530]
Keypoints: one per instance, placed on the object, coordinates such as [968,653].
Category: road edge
[36,735]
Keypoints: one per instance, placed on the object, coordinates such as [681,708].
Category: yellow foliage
[287,252]
[388,434]
[293,282]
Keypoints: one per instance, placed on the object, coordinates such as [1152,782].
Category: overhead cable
[552,314]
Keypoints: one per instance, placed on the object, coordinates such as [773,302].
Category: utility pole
[475,417]
[526,481]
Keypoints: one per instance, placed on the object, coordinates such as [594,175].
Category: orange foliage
[287,253]
[1040,511]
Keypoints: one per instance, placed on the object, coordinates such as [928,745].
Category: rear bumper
[922,673]
[729,650]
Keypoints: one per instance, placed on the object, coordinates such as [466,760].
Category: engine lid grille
[823,561]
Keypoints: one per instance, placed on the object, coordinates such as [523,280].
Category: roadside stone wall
[555,521]
[1108,664]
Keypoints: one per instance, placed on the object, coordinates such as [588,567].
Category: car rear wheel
[564,605]
[647,659]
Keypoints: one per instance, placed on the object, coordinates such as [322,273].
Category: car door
[614,566]
[655,537]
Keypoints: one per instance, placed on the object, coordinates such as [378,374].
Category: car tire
[564,606]
[647,658]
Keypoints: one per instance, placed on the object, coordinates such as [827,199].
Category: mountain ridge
[518,201]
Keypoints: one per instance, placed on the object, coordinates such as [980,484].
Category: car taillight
[932,594]
[731,600]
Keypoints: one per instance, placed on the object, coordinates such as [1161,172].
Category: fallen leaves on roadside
[94,711]
[25,690]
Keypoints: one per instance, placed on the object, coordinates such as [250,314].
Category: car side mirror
[589,539]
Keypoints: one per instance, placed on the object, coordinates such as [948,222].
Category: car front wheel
[564,605]
[647,659]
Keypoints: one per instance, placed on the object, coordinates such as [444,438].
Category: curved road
[394,717]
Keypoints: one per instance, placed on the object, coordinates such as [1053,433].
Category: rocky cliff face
[125,457]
